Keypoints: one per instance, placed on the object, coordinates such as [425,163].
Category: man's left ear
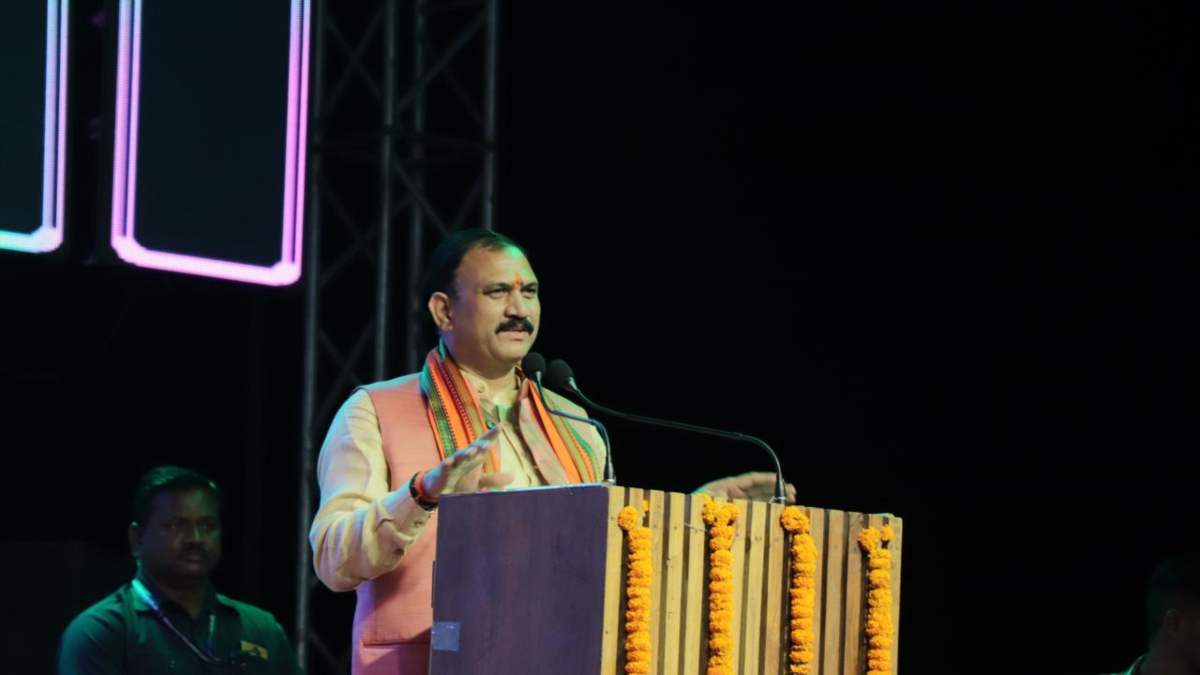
[135,540]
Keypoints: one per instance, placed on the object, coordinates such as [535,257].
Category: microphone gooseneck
[534,365]
[560,376]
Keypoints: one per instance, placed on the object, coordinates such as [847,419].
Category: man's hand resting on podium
[756,486]
[454,474]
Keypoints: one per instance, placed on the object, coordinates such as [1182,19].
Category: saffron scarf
[456,420]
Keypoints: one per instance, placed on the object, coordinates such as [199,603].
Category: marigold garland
[802,593]
[878,627]
[638,580]
[719,517]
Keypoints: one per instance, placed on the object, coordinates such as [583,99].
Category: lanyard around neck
[149,599]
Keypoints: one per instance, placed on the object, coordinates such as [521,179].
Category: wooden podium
[532,582]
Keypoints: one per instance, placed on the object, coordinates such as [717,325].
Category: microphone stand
[780,495]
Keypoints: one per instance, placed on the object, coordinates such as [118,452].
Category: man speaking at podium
[469,421]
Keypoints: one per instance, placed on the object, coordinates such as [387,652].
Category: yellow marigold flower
[637,668]
[881,642]
[802,624]
[636,626]
[887,534]
[638,641]
[638,592]
[719,643]
[879,654]
[793,519]
[629,518]
[724,531]
[721,587]
[722,557]
[799,669]
[636,604]
[868,538]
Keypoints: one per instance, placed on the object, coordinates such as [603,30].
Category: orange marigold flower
[887,533]
[793,519]
[638,642]
[720,643]
[881,642]
[869,538]
[721,587]
[629,518]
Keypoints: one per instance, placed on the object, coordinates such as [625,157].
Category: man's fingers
[476,449]
[494,480]
[488,437]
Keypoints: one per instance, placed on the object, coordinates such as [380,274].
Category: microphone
[560,376]
[534,365]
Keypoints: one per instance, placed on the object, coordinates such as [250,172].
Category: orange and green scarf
[457,420]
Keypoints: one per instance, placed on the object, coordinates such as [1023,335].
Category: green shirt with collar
[122,635]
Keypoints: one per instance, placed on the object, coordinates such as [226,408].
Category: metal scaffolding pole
[401,152]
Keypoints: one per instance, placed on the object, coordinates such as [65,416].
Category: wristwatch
[418,495]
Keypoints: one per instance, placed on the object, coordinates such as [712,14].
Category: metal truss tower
[402,151]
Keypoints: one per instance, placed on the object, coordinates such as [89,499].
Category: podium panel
[533,581]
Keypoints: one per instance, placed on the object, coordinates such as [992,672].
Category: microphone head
[558,375]
[533,364]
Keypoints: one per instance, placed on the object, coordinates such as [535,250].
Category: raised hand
[456,473]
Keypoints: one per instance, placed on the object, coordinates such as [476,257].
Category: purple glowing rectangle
[124,239]
[49,234]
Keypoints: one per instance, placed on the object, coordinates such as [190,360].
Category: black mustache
[516,324]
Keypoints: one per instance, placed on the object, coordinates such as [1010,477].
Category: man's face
[492,320]
[181,541]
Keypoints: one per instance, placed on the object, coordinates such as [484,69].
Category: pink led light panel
[124,236]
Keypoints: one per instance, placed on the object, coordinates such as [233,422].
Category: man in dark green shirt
[169,619]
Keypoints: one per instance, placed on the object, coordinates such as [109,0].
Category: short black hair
[162,479]
[443,264]
[1175,584]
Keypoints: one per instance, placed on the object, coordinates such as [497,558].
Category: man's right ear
[439,310]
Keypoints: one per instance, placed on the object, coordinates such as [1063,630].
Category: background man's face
[495,313]
[181,541]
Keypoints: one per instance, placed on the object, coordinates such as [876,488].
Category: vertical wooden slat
[655,519]
[775,622]
[817,518]
[613,585]
[739,578]
[672,610]
[695,653]
[833,619]
[897,548]
[756,535]
[854,595]
[756,583]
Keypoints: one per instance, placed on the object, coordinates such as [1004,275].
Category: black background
[941,256]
